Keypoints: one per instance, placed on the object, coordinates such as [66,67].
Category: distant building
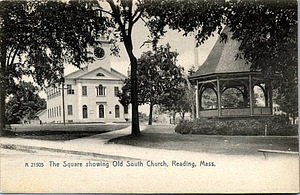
[88,95]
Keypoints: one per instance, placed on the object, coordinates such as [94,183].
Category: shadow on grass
[60,132]
[54,135]
[164,137]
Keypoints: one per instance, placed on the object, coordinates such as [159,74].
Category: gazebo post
[197,100]
[271,98]
[219,97]
[251,94]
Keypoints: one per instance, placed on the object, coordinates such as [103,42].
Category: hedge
[276,125]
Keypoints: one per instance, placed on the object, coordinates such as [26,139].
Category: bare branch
[102,10]
[9,55]
[138,17]
[13,58]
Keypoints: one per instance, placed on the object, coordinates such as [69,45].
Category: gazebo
[226,87]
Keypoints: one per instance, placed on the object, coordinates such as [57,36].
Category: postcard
[149,96]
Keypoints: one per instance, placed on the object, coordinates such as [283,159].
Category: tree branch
[13,58]
[116,14]
[102,10]
[9,55]
[138,16]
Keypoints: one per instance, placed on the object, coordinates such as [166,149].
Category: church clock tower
[102,55]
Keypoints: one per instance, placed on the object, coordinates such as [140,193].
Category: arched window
[100,90]
[101,111]
[259,96]
[84,111]
[209,99]
[100,75]
[117,111]
[233,98]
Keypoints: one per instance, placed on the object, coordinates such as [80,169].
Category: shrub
[276,125]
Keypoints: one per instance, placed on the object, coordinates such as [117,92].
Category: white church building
[88,94]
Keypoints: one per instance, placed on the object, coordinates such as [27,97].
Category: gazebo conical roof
[222,59]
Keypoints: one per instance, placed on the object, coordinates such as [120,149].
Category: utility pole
[63,103]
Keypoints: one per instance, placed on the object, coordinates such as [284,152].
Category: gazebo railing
[257,111]
[235,111]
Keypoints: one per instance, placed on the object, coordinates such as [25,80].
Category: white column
[79,101]
[219,97]
[63,105]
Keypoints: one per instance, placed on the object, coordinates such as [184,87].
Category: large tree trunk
[150,114]
[135,127]
[2,87]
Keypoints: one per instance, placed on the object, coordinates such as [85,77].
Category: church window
[84,111]
[116,91]
[100,90]
[125,109]
[69,89]
[70,110]
[84,90]
[117,111]
[101,111]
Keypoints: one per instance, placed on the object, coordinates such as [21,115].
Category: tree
[24,103]
[38,37]
[158,77]
[176,100]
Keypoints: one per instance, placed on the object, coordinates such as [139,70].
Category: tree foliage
[24,103]
[39,37]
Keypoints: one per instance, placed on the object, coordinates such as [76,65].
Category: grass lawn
[164,137]
[56,132]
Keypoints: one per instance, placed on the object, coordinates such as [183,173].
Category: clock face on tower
[99,52]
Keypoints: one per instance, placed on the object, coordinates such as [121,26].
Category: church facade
[88,94]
